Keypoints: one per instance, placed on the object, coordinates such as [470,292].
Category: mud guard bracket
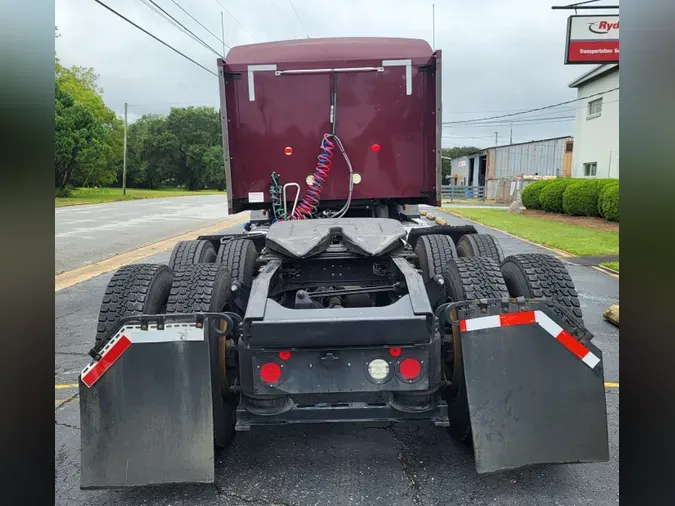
[532,399]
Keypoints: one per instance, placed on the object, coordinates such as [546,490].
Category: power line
[297,16]
[185,28]
[197,21]
[530,110]
[232,16]
[544,117]
[518,122]
[154,37]
[557,111]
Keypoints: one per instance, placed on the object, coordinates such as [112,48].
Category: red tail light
[395,352]
[284,355]
[270,372]
[410,368]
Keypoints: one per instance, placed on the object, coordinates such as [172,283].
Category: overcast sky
[499,56]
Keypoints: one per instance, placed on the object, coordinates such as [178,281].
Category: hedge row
[575,197]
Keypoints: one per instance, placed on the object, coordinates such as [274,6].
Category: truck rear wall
[395,108]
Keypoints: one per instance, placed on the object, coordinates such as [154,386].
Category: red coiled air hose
[310,201]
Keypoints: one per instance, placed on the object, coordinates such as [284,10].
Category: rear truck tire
[133,290]
[434,251]
[465,279]
[239,257]
[480,245]
[192,252]
[535,275]
[206,288]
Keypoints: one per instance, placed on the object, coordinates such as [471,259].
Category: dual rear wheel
[476,269]
[197,280]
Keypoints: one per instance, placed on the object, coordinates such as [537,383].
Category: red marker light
[375,147]
[395,352]
[270,372]
[288,150]
[284,355]
[410,368]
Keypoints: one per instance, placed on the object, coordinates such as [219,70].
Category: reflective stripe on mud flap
[128,335]
[529,317]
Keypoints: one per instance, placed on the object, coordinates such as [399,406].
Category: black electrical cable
[200,24]
[185,28]
[154,37]
[529,110]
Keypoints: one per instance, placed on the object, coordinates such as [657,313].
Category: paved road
[374,464]
[89,233]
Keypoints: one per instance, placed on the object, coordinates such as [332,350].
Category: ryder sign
[592,39]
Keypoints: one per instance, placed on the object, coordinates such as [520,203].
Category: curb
[606,270]
[86,272]
[558,252]
[549,248]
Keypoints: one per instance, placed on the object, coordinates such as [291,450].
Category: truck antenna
[433,26]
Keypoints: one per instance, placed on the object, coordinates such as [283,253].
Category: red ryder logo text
[603,27]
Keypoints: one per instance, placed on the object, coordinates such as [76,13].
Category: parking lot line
[71,385]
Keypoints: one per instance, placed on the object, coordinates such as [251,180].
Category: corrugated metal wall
[460,166]
[545,158]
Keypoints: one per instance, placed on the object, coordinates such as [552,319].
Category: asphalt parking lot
[375,464]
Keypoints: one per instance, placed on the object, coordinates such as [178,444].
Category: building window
[594,108]
[569,146]
[590,169]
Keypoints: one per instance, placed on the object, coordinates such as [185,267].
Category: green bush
[531,194]
[581,197]
[551,196]
[603,190]
[610,202]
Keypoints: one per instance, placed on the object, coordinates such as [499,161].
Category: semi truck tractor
[336,302]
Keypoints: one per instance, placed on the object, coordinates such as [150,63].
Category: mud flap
[146,410]
[534,395]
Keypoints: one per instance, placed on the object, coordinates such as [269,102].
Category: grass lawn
[91,196]
[574,239]
[611,265]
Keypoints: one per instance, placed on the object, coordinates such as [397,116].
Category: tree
[215,169]
[151,152]
[96,134]
[79,140]
[195,131]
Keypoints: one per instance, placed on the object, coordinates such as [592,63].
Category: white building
[596,135]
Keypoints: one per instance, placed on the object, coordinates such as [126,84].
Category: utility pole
[124,163]
[511,135]
[433,26]
[496,138]
[222,31]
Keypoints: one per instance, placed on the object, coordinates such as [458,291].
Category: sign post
[592,40]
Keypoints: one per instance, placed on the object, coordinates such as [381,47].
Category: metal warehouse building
[491,166]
